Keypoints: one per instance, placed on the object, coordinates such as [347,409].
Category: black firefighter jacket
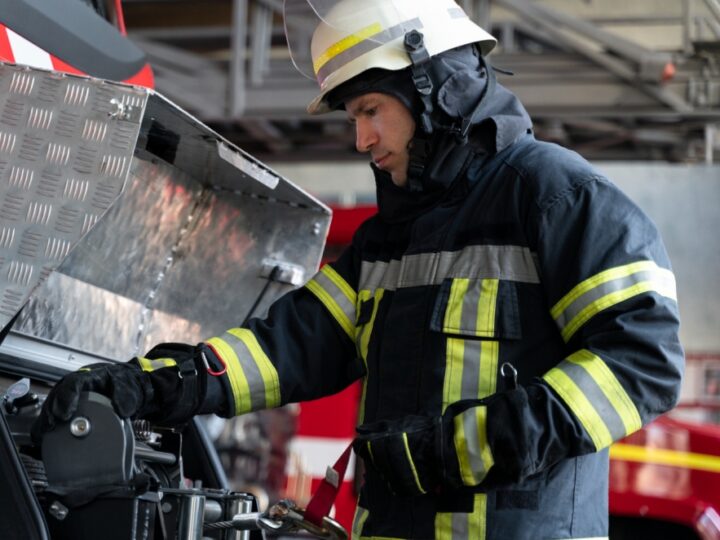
[528,257]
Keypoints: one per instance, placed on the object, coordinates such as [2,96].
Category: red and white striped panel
[17,50]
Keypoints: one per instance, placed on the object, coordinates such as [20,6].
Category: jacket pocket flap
[482,308]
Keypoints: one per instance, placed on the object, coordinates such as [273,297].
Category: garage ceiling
[611,79]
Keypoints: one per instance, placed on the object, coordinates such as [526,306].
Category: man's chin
[398,180]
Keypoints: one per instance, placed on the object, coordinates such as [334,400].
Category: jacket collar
[505,122]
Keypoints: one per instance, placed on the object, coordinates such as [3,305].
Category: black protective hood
[465,96]
[468,113]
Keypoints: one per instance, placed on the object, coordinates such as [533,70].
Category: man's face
[383,127]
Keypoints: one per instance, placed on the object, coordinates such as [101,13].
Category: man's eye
[371,111]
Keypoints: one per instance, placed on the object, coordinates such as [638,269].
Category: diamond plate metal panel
[165,235]
[64,158]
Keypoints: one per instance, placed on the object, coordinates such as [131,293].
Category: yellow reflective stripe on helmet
[412,464]
[337,296]
[471,446]
[146,364]
[344,44]
[463,525]
[607,289]
[269,374]
[595,396]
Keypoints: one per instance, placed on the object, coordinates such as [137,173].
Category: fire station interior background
[632,86]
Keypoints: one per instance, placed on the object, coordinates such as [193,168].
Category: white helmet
[357,35]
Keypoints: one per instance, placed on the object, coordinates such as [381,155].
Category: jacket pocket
[476,316]
[480,308]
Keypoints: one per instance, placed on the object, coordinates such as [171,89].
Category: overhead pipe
[653,65]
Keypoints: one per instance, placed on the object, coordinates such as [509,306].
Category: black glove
[405,452]
[419,455]
[167,386]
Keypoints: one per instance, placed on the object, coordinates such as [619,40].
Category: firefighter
[510,311]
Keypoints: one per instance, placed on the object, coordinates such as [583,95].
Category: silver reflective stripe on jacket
[514,263]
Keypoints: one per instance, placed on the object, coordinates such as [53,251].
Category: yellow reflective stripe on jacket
[471,307]
[463,525]
[408,455]
[471,368]
[337,296]
[253,377]
[607,289]
[470,365]
[595,396]
[471,446]
[146,364]
[363,340]
[361,515]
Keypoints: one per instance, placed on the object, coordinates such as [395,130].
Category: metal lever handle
[283,516]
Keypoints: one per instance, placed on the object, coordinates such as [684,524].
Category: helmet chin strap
[420,147]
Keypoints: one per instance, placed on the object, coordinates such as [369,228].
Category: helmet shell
[357,35]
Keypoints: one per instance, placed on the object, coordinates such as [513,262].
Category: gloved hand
[405,452]
[168,385]
[419,455]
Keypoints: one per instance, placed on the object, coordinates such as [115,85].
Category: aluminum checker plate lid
[193,226]
[66,146]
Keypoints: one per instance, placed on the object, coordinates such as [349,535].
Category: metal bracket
[293,274]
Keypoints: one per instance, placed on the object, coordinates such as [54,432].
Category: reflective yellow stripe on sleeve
[595,396]
[146,364]
[609,288]
[337,296]
[253,377]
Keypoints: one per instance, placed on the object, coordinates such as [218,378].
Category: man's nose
[365,136]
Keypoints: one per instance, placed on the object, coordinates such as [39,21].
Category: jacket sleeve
[304,349]
[611,292]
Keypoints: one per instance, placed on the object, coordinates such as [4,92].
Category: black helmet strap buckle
[419,56]
[419,149]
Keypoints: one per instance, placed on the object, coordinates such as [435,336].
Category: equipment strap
[326,493]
